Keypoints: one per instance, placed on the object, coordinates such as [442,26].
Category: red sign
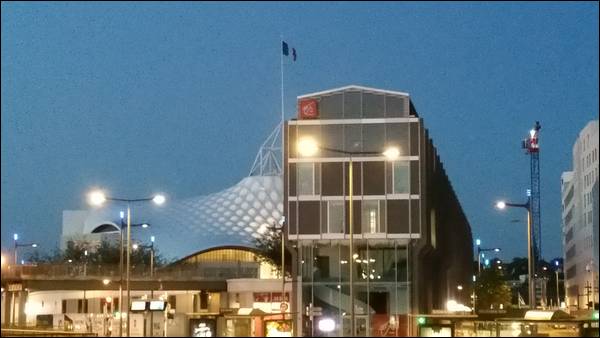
[309,109]
[277,297]
[262,297]
[268,297]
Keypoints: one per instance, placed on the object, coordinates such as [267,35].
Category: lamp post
[98,198]
[480,251]
[309,147]
[123,225]
[531,264]
[556,271]
[281,228]
[151,247]
[590,269]
[21,245]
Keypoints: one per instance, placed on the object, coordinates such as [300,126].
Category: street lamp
[530,266]
[557,270]
[151,247]
[21,245]
[136,246]
[480,252]
[97,198]
[309,147]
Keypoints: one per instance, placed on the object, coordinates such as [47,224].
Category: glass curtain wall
[381,286]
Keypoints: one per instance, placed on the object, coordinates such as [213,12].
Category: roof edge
[353,87]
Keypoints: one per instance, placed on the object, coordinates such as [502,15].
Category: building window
[371,220]
[352,105]
[336,217]
[305,179]
[401,177]
[332,179]
[330,107]
[373,105]
[394,106]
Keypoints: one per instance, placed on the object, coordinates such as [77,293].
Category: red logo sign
[309,109]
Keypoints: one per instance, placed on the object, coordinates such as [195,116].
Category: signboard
[267,297]
[309,109]
[203,327]
[138,305]
[157,305]
[283,307]
[15,287]
[262,297]
[278,328]
[276,297]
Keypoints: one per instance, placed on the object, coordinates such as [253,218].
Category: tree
[269,246]
[106,253]
[492,290]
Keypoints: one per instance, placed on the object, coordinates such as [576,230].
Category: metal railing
[202,271]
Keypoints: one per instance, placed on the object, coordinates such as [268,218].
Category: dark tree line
[106,253]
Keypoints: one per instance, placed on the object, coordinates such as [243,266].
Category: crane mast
[532,148]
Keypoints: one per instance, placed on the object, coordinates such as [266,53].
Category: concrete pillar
[6,307]
[22,299]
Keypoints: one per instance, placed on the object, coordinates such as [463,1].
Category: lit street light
[480,254]
[98,198]
[21,245]
[309,147]
[530,266]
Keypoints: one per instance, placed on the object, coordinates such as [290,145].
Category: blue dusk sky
[177,97]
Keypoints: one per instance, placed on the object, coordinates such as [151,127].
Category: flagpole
[282,108]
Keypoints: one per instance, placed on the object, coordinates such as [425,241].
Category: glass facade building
[401,211]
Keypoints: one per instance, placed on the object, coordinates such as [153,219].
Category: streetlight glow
[145,225]
[500,205]
[34,245]
[135,246]
[478,242]
[105,281]
[159,199]
[459,287]
[392,153]
[307,146]
[152,239]
[497,249]
[96,198]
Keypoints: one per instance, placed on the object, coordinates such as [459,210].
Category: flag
[286,50]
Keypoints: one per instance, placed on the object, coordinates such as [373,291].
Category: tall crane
[532,148]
